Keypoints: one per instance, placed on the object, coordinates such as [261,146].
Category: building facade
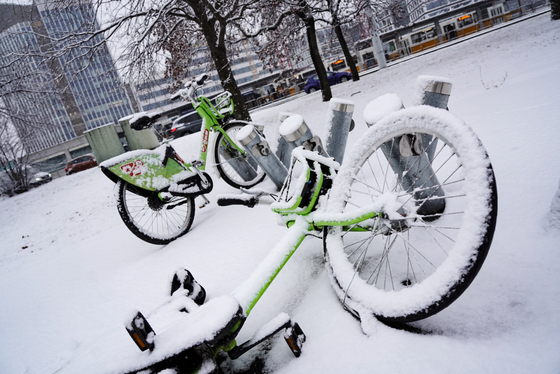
[154,94]
[74,90]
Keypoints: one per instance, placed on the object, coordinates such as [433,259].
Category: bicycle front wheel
[154,219]
[235,169]
[433,182]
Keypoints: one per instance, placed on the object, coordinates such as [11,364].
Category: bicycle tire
[152,219]
[412,268]
[254,174]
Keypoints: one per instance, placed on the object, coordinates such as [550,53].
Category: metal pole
[434,91]
[411,155]
[340,120]
[259,150]
[296,132]
[284,149]
[381,107]
[377,45]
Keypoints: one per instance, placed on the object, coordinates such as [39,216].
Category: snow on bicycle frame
[160,170]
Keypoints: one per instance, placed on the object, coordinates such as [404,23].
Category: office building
[61,97]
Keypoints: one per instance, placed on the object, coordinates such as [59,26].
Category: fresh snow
[70,271]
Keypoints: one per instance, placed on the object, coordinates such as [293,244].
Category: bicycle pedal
[183,279]
[141,332]
[295,338]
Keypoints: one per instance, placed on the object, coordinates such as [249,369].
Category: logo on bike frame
[178,157]
[205,140]
[134,168]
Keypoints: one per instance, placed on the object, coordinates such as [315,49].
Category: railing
[429,44]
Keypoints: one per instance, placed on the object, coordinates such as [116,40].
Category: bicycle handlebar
[190,88]
[248,198]
[248,202]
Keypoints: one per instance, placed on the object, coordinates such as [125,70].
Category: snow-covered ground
[70,270]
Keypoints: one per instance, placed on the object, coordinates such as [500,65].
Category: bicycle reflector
[300,193]
[141,332]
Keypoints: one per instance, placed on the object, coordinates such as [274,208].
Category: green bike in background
[156,188]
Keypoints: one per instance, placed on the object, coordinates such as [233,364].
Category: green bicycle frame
[302,219]
[212,120]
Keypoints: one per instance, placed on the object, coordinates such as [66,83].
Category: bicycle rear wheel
[234,168]
[153,219]
[439,201]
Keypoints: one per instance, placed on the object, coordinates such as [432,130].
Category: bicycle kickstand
[204,202]
[196,164]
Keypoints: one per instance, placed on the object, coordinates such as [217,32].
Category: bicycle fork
[250,292]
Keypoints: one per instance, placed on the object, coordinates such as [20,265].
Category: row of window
[41,107]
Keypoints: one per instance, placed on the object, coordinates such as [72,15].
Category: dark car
[80,163]
[40,178]
[333,77]
[184,125]
[34,178]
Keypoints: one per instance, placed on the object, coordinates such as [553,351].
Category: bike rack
[259,150]
[246,172]
[296,133]
[433,91]
[340,124]
[283,148]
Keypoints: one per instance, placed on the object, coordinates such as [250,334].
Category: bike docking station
[294,133]
[431,91]
[246,170]
[376,239]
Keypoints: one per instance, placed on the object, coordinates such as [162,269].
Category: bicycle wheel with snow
[234,168]
[431,178]
[154,219]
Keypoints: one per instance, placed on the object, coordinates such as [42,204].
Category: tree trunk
[347,55]
[554,9]
[309,22]
[219,56]
[217,45]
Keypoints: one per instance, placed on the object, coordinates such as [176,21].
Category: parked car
[35,178]
[184,125]
[40,178]
[333,77]
[80,163]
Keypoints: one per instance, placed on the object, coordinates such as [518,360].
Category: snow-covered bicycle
[406,221]
[156,188]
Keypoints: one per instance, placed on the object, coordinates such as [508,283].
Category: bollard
[381,107]
[433,91]
[419,151]
[246,170]
[411,156]
[340,119]
[297,134]
[284,149]
[259,150]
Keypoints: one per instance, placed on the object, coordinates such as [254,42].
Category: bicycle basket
[224,105]
[300,194]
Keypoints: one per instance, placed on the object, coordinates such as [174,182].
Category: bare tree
[14,160]
[285,43]
[164,36]
[343,12]
[555,9]
[272,16]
